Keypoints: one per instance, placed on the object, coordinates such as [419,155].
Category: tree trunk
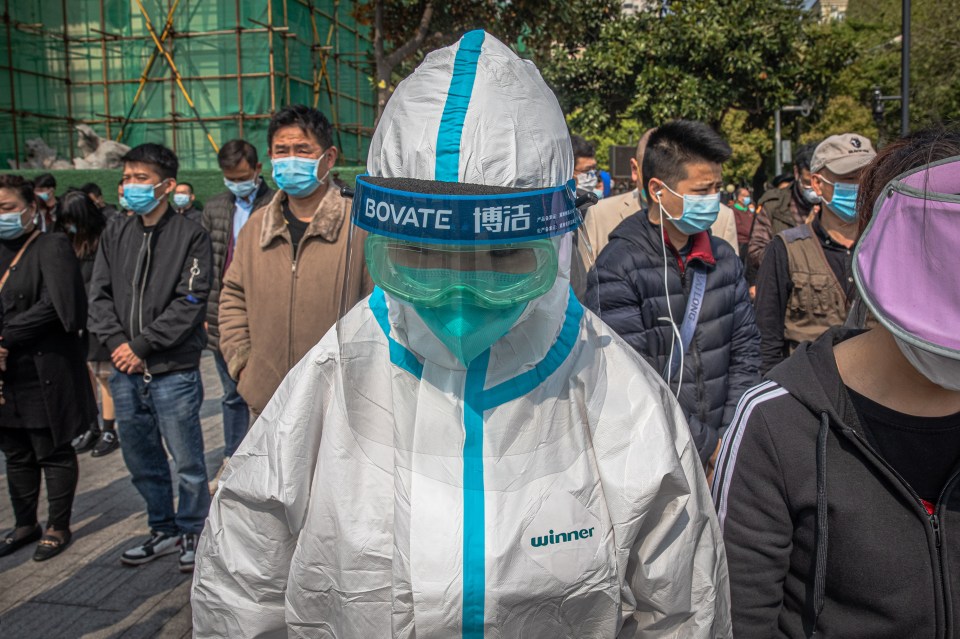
[385,63]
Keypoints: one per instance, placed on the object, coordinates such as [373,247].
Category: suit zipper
[934,521]
[293,300]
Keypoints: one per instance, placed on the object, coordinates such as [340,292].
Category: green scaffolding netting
[82,61]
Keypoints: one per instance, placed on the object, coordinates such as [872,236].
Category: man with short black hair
[286,280]
[148,298]
[675,292]
[606,214]
[585,170]
[224,216]
[184,200]
[45,188]
[94,192]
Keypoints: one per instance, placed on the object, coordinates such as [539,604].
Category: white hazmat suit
[549,488]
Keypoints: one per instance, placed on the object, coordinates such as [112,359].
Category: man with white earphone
[676,293]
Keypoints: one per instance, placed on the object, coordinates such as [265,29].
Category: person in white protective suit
[469,453]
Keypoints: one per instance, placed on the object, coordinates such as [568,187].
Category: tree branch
[400,53]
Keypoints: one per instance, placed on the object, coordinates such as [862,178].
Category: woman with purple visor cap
[838,482]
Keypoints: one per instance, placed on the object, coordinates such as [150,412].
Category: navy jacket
[626,288]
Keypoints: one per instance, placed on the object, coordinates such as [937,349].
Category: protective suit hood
[500,126]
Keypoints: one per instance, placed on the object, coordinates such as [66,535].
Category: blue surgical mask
[242,189]
[140,197]
[71,229]
[843,204]
[297,177]
[699,212]
[598,193]
[124,204]
[45,196]
[11,225]
[747,200]
[181,200]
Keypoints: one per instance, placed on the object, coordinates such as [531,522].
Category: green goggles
[494,276]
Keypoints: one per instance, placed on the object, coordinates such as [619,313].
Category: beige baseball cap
[842,154]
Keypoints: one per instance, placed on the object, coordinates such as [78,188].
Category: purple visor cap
[906,265]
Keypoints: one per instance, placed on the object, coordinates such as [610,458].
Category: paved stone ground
[86,592]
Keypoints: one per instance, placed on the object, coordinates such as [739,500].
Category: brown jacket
[274,309]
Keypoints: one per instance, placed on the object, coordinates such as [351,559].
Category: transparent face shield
[433,244]
[456,273]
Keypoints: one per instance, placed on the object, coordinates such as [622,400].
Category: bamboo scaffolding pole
[167,29]
[176,73]
[13,85]
[104,64]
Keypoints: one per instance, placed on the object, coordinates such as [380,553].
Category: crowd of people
[479,393]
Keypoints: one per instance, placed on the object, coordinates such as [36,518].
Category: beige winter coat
[274,309]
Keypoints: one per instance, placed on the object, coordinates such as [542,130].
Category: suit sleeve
[247,545]
[744,371]
[750,496]
[677,567]
[233,322]
[773,293]
[186,310]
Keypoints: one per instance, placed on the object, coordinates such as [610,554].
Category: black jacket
[815,520]
[625,289]
[44,310]
[150,288]
[218,220]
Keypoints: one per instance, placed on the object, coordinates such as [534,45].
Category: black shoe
[86,441]
[51,546]
[9,544]
[107,443]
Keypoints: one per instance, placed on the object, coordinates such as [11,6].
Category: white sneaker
[158,545]
[188,551]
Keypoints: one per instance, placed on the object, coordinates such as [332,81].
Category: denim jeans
[165,411]
[236,415]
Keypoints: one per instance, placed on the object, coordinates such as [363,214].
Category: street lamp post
[804,108]
[905,70]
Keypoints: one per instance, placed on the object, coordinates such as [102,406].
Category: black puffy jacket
[626,289]
[149,289]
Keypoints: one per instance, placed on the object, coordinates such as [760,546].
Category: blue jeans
[165,411]
[236,415]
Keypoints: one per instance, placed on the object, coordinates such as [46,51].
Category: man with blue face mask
[282,289]
[223,217]
[148,298]
[675,292]
[183,202]
[805,282]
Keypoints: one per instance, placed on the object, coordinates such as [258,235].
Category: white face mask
[942,371]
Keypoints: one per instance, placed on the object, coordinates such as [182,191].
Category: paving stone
[86,592]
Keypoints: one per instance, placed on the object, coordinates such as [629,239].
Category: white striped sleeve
[729,448]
